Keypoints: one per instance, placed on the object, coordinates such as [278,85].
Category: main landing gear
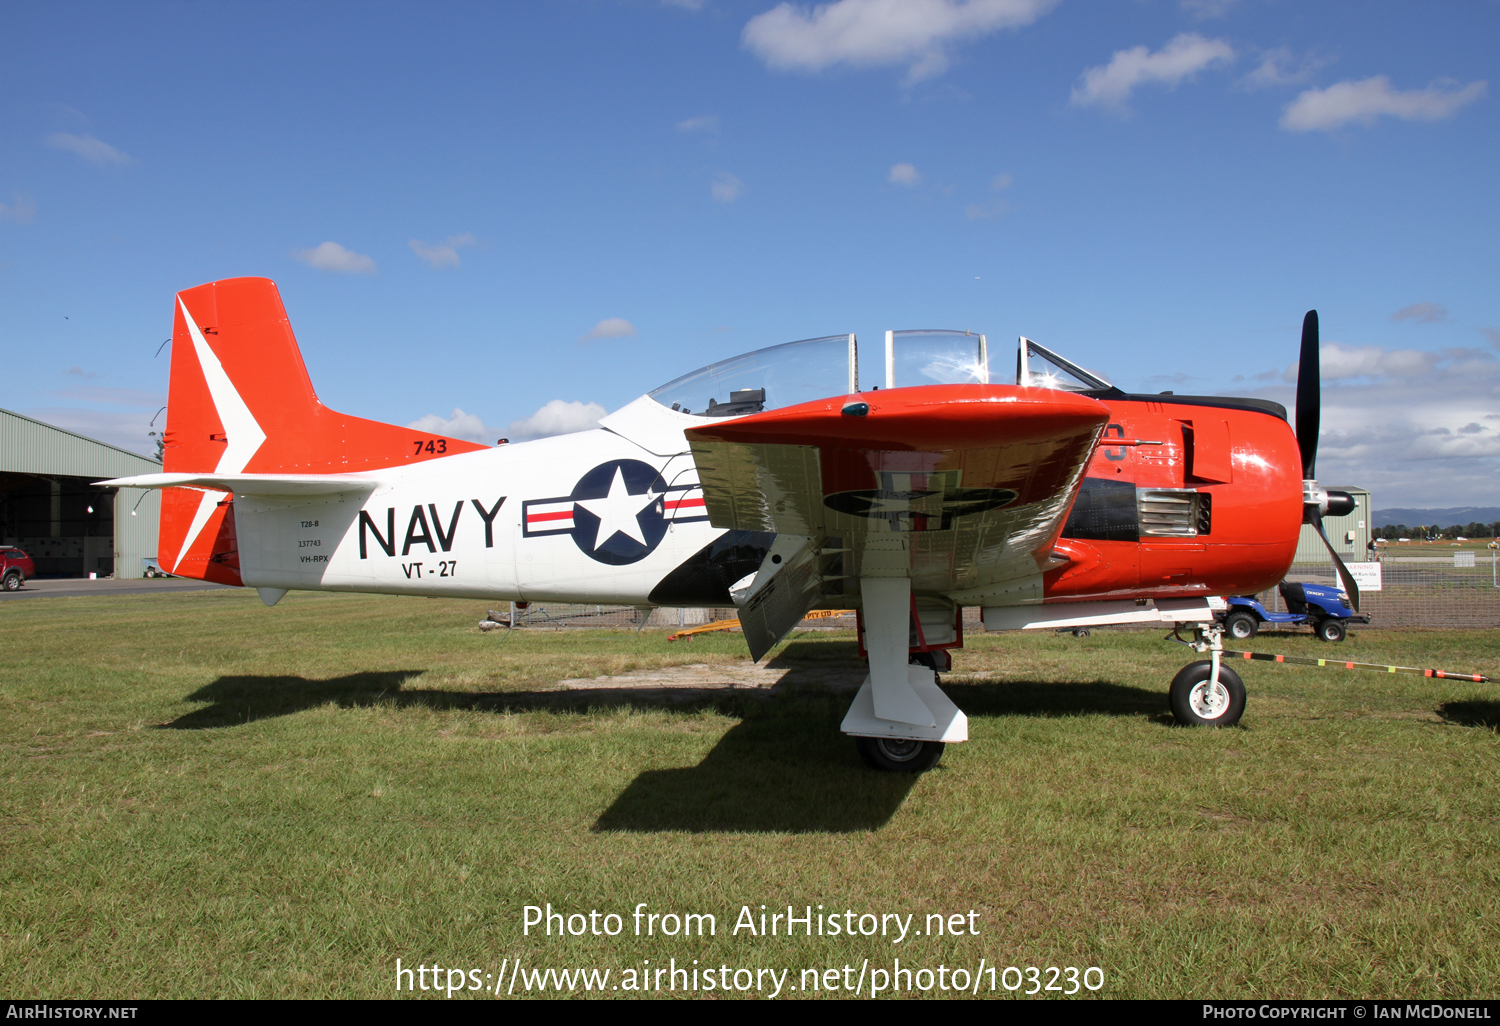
[899,754]
[900,720]
[1207,693]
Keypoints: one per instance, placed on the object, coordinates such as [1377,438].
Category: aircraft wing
[961,488]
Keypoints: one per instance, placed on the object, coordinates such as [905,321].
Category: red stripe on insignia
[685,502]
[538,517]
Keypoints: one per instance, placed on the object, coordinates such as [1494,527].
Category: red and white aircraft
[780,481]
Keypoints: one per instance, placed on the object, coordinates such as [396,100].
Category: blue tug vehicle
[1322,607]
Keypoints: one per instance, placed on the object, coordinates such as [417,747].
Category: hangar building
[49,507]
[1350,534]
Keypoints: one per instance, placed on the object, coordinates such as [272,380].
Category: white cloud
[1422,313]
[463,425]
[872,33]
[556,418]
[1202,9]
[442,254]
[1365,100]
[701,123]
[22,210]
[1279,67]
[330,256]
[1000,182]
[1338,362]
[610,327]
[90,149]
[905,174]
[1110,85]
[1493,334]
[1416,427]
[726,188]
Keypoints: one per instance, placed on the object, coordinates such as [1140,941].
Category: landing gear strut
[1207,693]
[900,720]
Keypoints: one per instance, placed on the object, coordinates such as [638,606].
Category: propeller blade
[1344,574]
[1309,400]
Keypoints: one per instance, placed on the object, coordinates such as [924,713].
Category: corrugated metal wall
[135,536]
[30,447]
[1310,547]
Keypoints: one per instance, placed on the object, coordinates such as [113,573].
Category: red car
[15,567]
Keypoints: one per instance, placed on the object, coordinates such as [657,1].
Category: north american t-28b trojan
[781,481]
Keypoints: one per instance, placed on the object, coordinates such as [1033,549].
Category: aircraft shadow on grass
[784,767]
[1472,714]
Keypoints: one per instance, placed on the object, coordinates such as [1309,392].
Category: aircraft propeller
[1318,502]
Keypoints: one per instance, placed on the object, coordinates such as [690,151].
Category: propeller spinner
[1317,502]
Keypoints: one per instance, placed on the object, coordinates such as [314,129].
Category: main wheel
[899,755]
[1196,704]
[1331,630]
[1241,626]
[13,581]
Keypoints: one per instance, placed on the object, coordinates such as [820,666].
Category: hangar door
[64,524]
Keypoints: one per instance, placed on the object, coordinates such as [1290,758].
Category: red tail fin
[240,401]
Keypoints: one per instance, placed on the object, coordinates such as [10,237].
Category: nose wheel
[1199,701]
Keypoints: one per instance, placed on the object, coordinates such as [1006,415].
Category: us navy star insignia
[619,511]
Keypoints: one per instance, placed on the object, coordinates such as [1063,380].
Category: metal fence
[1416,591]
[562,615]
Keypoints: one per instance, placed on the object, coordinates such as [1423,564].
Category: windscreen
[1039,367]
[767,379]
[933,356]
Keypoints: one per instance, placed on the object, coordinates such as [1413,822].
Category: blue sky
[507,218]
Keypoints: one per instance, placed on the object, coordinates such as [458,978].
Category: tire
[899,755]
[1331,630]
[1080,632]
[1241,626]
[13,581]
[1193,706]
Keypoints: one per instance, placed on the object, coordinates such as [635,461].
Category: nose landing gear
[1207,693]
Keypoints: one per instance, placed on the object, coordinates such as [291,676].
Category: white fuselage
[585,517]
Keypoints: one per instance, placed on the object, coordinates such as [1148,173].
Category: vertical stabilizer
[240,401]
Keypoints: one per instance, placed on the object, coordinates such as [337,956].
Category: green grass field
[203,797]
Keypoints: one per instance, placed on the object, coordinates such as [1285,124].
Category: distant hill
[1441,517]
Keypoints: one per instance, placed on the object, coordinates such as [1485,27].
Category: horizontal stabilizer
[252,484]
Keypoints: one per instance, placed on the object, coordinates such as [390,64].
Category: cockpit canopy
[817,368]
